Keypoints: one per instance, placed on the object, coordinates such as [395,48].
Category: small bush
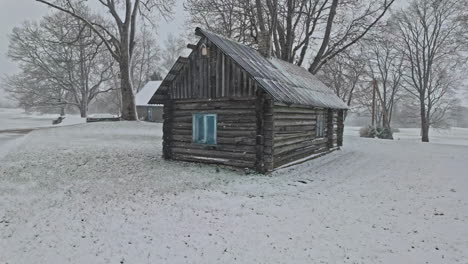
[384,133]
[368,132]
[373,132]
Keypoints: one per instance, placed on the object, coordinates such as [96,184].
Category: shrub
[368,132]
[384,133]
[379,132]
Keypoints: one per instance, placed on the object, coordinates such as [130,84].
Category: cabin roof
[143,97]
[287,83]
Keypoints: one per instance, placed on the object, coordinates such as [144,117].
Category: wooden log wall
[236,131]
[264,111]
[252,132]
[329,123]
[211,76]
[295,135]
[168,115]
[340,127]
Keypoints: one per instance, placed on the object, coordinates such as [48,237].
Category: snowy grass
[13,118]
[451,136]
[101,193]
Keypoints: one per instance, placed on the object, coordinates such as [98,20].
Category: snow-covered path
[15,124]
[100,193]
[9,141]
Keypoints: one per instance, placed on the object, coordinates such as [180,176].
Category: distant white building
[148,112]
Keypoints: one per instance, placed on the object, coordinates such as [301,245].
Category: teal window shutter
[210,121]
[204,128]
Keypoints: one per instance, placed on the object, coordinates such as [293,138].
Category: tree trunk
[128,97]
[83,111]
[424,123]
[62,110]
[318,60]
[83,104]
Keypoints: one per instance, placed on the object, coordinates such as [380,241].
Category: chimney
[264,43]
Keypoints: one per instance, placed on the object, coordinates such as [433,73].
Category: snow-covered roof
[286,82]
[145,94]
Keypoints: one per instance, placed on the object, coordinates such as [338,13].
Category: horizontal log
[304,158]
[278,104]
[221,126]
[221,118]
[288,116]
[250,141]
[224,127]
[294,122]
[299,145]
[214,153]
[237,126]
[289,141]
[285,158]
[223,99]
[192,46]
[246,112]
[209,160]
[215,105]
[289,129]
[292,135]
[285,109]
[221,132]
[224,147]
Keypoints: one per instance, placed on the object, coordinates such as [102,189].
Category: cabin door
[149,116]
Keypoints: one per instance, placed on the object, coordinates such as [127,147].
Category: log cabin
[227,103]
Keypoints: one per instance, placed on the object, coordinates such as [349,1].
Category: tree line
[76,56]
[376,56]
[415,60]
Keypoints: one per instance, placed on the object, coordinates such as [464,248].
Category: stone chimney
[264,44]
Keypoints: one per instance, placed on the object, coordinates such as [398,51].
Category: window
[204,128]
[320,126]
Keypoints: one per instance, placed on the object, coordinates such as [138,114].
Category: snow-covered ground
[451,136]
[15,123]
[101,193]
[12,118]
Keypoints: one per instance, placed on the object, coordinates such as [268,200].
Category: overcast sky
[15,12]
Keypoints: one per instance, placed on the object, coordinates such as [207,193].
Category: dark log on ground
[102,119]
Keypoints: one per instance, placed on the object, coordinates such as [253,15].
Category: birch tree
[118,37]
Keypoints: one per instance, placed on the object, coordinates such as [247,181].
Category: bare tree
[31,92]
[426,35]
[174,47]
[344,74]
[146,59]
[62,63]
[121,41]
[385,69]
[321,29]
[463,18]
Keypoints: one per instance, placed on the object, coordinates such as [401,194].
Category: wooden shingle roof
[285,82]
